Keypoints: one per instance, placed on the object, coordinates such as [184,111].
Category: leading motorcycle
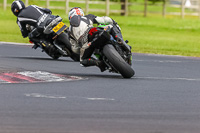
[116,54]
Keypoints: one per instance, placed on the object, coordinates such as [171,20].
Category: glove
[118,27]
[115,23]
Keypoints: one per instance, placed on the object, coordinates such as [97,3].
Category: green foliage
[162,36]
[154,1]
[33,2]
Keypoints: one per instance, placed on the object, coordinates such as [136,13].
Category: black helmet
[17,6]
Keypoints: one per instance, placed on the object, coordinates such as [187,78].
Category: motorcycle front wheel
[118,62]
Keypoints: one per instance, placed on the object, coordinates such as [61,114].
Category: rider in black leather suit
[31,15]
[32,21]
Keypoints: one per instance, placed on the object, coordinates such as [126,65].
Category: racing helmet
[75,11]
[17,6]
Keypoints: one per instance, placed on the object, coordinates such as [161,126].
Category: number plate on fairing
[59,28]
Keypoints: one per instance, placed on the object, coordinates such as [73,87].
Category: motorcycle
[54,39]
[116,54]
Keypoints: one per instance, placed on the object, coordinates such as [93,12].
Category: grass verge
[170,35]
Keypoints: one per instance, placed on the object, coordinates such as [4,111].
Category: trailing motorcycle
[116,54]
[54,39]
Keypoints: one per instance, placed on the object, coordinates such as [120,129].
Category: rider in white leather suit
[79,28]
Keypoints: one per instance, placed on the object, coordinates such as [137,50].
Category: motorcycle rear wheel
[52,55]
[64,38]
[118,62]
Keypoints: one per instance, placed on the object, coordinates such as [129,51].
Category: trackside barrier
[181,4]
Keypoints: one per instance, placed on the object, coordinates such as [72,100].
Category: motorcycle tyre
[73,56]
[64,38]
[118,62]
[55,57]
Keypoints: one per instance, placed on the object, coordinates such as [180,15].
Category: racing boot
[93,62]
[101,65]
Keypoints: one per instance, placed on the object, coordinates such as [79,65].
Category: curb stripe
[9,79]
[34,77]
[3,80]
[19,76]
[69,77]
[48,77]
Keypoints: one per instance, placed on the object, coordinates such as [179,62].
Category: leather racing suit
[33,16]
[79,28]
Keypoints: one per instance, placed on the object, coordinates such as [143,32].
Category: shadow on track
[92,75]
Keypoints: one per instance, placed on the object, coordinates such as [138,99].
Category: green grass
[153,34]
[162,36]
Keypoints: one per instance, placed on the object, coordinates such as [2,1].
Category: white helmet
[75,11]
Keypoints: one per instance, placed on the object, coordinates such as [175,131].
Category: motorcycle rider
[32,20]
[79,28]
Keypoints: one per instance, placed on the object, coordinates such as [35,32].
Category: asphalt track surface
[163,96]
